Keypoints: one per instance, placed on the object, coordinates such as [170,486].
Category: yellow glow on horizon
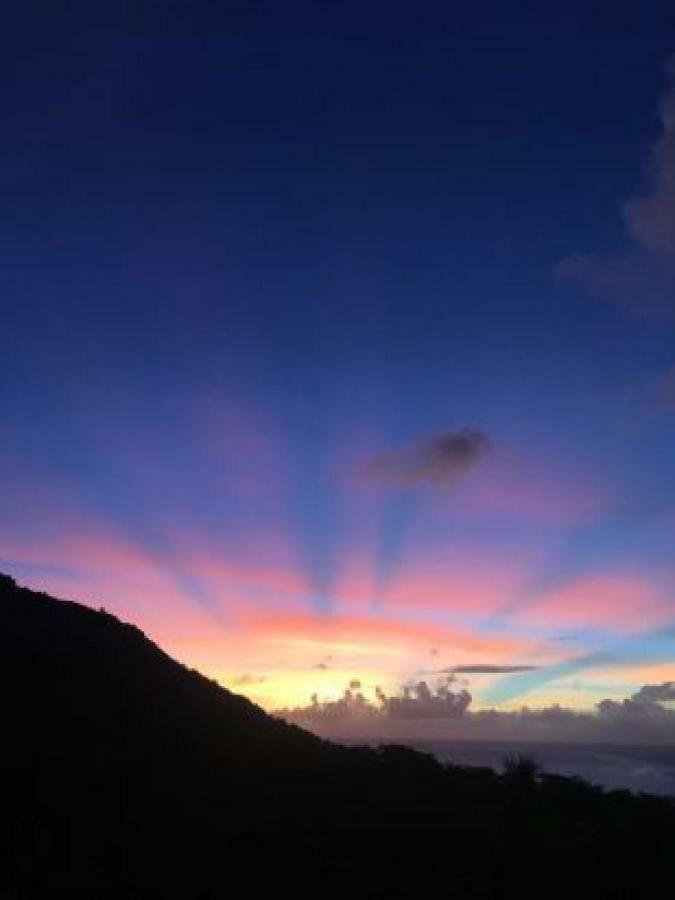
[291,688]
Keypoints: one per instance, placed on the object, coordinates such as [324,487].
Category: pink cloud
[524,492]
[355,585]
[100,567]
[378,634]
[253,617]
[111,572]
[251,451]
[615,601]
[464,588]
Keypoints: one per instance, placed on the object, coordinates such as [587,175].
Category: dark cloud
[440,459]
[245,680]
[644,278]
[644,703]
[324,663]
[487,669]
[656,693]
[419,701]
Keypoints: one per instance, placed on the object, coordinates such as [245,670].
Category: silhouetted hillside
[130,776]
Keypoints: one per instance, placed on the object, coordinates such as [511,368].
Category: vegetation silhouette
[521,768]
[130,776]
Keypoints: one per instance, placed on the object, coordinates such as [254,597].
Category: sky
[338,339]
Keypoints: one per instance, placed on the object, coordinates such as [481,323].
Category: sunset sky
[339,344]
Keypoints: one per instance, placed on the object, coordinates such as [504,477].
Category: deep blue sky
[263,242]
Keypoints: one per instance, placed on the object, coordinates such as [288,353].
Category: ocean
[637,768]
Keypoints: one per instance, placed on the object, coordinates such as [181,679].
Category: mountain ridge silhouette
[129,775]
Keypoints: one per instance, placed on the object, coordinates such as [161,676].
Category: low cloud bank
[420,711]
[413,703]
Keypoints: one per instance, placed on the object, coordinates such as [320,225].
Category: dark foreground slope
[129,776]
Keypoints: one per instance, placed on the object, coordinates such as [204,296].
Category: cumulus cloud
[419,701]
[656,693]
[645,703]
[644,278]
[413,702]
[438,460]
[418,711]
